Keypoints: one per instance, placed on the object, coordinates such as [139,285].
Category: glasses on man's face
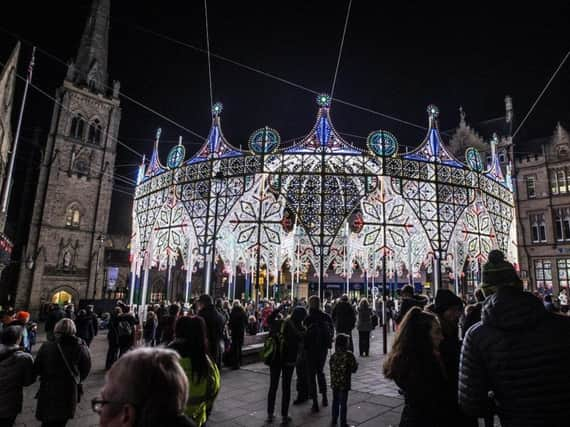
[97,404]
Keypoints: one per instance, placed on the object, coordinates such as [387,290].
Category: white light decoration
[320,205]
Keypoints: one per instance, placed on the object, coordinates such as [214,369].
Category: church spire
[90,67]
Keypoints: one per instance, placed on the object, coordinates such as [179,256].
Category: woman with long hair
[415,364]
[364,326]
[191,343]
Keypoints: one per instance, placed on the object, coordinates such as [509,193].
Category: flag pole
[8,184]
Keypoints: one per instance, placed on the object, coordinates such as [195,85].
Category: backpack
[273,345]
[124,328]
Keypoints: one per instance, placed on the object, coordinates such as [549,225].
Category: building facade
[7,86]
[543,200]
[64,256]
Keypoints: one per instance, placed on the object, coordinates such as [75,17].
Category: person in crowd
[214,327]
[55,315]
[265,313]
[472,312]
[318,341]
[549,304]
[167,323]
[90,309]
[518,354]
[62,365]
[252,325]
[364,326]
[84,325]
[328,305]
[219,304]
[237,324]
[227,309]
[16,372]
[21,319]
[191,343]
[289,333]
[113,338]
[344,318]
[149,329]
[414,363]
[563,300]
[408,300]
[146,387]
[126,325]
[6,317]
[448,308]
[70,311]
[342,365]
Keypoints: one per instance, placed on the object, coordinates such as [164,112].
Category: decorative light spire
[141,172]
[433,113]
[154,166]
[324,100]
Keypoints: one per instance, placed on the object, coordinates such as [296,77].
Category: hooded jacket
[520,353]
[16,372]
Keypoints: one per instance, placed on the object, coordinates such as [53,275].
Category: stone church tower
[63,259]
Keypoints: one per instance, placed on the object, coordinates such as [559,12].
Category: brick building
[543,200]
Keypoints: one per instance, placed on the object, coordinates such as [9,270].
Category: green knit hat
[498,272]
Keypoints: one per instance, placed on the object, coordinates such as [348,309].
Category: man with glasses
[145,387]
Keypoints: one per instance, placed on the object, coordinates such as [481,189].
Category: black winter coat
[520,353]
[428,397]
[344,317]
[57,396]
[237,324]
[316,346]
[215,329]
[85,329]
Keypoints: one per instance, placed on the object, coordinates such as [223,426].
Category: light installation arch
[321,207]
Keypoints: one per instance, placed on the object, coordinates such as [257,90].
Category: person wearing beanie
[498,272]
[518,353]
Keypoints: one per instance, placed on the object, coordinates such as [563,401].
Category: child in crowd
[342,365]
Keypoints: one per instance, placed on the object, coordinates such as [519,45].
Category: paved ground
[243,397]
[373,401]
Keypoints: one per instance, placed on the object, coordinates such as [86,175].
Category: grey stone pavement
[373,401]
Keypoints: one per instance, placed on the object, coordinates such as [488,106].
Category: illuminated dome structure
[322,209]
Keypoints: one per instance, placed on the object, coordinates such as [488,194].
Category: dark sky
[398,57]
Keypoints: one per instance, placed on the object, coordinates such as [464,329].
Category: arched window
[77,127]
[72,217]
[94,136]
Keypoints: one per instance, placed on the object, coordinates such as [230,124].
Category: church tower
[63,259]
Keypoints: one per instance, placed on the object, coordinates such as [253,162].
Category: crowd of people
[504,354]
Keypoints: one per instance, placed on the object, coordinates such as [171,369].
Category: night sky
[397,59]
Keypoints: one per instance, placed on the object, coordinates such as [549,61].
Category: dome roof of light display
[320,204]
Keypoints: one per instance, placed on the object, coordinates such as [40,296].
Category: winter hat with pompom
[498,272]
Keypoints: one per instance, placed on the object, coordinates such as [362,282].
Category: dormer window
[563,151]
